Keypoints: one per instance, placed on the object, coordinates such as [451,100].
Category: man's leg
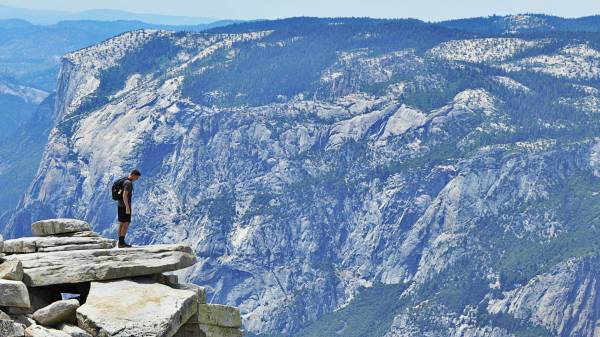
[123,227]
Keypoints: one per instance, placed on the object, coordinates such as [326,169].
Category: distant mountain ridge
[53,16]
[524,23]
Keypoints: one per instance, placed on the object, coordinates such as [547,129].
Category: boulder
[59,226]
[219,315]
[126,308]
[11,329]
[40,331]
[11,270]
[57,312]
[13,294]
[78,266]
[72,330]
[1,242]
[56,243]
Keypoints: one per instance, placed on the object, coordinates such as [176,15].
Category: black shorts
[122,216]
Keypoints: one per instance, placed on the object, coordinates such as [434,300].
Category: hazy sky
[428,10]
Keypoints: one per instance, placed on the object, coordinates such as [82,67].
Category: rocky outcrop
[119,292]
[42,269]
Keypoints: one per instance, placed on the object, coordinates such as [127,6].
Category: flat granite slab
[54,243]
[126,308]
[77,266]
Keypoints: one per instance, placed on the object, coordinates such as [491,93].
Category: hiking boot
[123,245]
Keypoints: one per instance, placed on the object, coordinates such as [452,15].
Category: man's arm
[126,202]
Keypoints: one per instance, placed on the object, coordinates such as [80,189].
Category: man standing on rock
[122,191]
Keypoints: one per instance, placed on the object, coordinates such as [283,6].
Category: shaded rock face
[428,165]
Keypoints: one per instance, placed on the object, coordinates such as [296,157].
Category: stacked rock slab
[117,292]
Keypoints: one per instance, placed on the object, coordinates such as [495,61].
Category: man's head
[135,175]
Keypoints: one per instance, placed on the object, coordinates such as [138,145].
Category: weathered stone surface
[94,265]
[135,308]
[218,331]
[56,243]
[194,287]
[22,245]
[11,270]
[13,294]
[11,329]
[220,315]
[58,226]
[72,330]
[40,331]
[57,312]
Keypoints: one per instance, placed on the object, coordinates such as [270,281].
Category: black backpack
[117,188]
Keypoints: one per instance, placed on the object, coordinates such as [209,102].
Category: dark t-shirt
[127,186]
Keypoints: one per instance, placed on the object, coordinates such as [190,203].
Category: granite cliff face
[306,161]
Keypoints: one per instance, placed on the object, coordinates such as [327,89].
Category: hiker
[122,191]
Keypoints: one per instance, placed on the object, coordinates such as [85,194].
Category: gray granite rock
[126,308]
[219,331]
[24,319]
[219,315]
[11,329]
[4,316]
[57,312]
[56,243]
[72,330]
[58,226]
[13,294]
[11,270]
[40,331]
[194,287]
[63,267]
